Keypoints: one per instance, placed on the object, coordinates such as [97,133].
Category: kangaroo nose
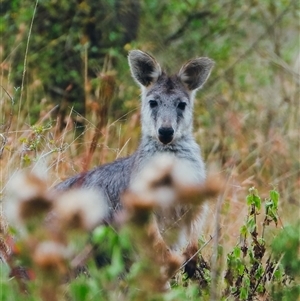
[165,134]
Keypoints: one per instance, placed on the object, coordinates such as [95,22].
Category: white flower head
[26,197]
[81,208]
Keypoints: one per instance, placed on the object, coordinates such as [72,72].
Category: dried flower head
[26,198]
[81,208]
[154,185]
[25,185]
[50,255]
[167,180]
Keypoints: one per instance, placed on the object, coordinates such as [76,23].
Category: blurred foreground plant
[52,243]
[51,256]
[46,232]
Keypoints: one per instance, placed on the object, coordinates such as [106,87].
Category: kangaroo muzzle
[165,134]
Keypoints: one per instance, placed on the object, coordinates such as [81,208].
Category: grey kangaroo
[167,120]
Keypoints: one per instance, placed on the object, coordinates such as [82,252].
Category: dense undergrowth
[246,121]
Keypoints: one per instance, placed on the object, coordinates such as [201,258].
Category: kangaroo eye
[181,105]
[153,104]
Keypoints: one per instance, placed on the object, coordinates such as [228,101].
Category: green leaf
[237,252]
[253,198]
[249,199]
[117,265]
[251,225]
[251,255]
[260,288]
[241,269]
[243,293]
[244,231]
[80,291]
[257,201]
[274,195]
[278,275]
[259,272]
[246,281]
[99,234]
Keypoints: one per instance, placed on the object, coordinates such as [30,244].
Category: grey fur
[167,108]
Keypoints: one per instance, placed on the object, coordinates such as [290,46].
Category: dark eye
[153,104]
[181,106]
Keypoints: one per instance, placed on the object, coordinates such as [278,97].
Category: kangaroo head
[167,101]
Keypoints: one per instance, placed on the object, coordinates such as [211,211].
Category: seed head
[81,208]
[50,255]
[26,198]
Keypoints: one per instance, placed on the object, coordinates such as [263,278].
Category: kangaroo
[167,125]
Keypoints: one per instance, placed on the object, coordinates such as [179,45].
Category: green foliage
[115,246]
[272,207]
[285,247]
[252,268]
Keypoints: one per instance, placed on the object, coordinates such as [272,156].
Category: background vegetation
[68,103]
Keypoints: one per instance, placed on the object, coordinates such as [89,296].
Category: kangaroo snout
[165,134]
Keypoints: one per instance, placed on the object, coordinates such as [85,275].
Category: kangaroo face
[167,101]
[166,110]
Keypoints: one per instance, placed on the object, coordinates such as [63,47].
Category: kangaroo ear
[195,72]
[144,68]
